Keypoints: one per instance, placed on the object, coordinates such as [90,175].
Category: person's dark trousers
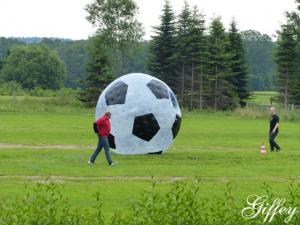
[102,143]
[273,144]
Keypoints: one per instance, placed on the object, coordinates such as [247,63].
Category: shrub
[46,205]
[285,115]
[182,205]
[8,88]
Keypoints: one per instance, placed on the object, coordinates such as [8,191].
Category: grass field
[263,97]
[217,147]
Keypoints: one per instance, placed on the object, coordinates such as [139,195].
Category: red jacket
[103,126]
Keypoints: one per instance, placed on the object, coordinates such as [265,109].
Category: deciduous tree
[34,66]
[117,28]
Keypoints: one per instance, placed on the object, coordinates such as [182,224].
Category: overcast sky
[66,18]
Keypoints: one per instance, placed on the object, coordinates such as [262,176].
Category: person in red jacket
[103,125]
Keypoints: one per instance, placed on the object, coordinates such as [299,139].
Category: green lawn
[218,147]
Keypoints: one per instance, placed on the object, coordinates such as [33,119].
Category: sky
[66,18]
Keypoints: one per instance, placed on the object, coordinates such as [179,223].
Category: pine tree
[287,63]
[162,49]
[183,50]
[98,74]
[237,64]
[296,97]
[198,44]
[222,95]
[293,19]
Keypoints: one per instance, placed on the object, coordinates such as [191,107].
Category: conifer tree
[162,49]
[198,44]
[237,64]
[222,94]
[287,63]
[98,73]
[183,49]
[293,22]
[296,96]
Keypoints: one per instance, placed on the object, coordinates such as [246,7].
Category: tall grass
[285,115]
[63,101]
[182,205]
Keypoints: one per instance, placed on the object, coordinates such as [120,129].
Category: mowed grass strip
[204,130]
[46,128]
[215,146]
[176,163]
[207,145]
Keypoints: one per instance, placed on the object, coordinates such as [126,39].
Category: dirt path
[63,179]
[64,147]
[89,147]
[67,147]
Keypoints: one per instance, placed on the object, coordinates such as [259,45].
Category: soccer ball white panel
[145,114]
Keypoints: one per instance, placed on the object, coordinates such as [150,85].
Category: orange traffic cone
[263,149]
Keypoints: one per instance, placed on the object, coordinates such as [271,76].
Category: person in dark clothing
[103,125]
[274,129]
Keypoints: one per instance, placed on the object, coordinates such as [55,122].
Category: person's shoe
[90,163]
[113,163]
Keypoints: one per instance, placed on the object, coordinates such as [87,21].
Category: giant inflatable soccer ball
[145,114]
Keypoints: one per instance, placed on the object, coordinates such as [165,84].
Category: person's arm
[276,125]
[275,128]
[98,125]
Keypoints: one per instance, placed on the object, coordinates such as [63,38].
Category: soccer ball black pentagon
[145,114]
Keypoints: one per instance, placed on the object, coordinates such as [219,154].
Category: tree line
[206,68]
[72,55]
[206,65]
[259,49]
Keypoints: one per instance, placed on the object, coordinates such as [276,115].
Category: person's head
[107,114]
[273,110]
